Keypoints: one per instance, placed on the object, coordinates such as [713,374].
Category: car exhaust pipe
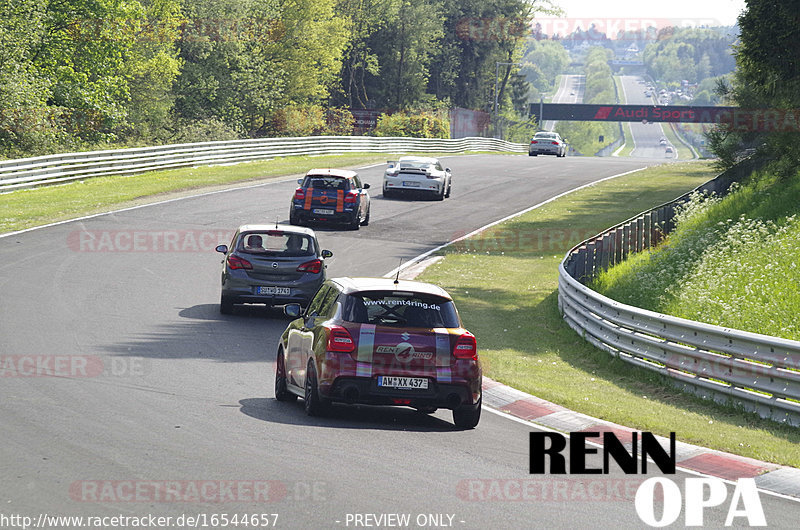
[350,393]
[453,401]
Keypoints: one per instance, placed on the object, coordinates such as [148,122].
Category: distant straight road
[570,90]
[646,137]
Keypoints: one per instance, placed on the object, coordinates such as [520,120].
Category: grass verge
[731,262]
[629,146]
[505,285]
[48,204]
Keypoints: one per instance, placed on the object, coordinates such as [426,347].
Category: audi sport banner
[766,120]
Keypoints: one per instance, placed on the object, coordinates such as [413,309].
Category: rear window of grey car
[400,309]
[276,243]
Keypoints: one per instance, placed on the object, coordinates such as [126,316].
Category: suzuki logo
[405,336]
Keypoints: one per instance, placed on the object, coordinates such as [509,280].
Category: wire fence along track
[757,372]
[30,172]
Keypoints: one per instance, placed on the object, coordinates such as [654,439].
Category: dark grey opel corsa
[271,264]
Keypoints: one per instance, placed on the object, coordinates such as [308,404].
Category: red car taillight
[313,266]
[299,194]
[466,347]
[534,141]
[339,340]
[555,143]
[350,197]
[235,262]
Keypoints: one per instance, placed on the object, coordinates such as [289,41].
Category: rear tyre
[449,188]
[365,222]
[294,219]
[533,154]
[426,410]
[281,392]
[388,194]
[225,305]
[440,195]
[467,416]
[355,224]
[315,404]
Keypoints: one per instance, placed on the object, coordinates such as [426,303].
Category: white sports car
[417,174]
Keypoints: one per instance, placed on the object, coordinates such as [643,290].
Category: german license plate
[410,184]
[323,211]
[387,381]
[274,290]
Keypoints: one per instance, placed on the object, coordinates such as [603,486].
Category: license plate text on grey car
[273,290]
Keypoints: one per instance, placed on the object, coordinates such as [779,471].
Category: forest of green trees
[77,74]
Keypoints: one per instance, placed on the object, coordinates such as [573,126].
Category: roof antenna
[276,223]
[397,276]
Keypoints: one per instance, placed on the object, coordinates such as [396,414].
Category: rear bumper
[554,150]
[346,216]
[424,186]
[240,291]
[365,390]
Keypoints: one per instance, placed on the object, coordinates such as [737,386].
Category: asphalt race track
[155,386]
[646,136]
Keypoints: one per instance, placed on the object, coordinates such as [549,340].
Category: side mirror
[292,310]
[327,254]
[300,181]
[391,163]
[366,185]
[222,249]
[447,169]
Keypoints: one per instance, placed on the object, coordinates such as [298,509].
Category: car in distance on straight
[547,143]
[272,265]
[417,175]
[379,341]
[331,195]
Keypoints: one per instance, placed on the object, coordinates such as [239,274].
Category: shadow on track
[346,416]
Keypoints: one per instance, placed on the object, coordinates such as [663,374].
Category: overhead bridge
[643,113]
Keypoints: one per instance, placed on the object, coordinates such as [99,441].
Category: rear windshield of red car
[400,309]
[326,183]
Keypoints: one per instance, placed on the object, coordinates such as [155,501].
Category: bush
[417,125]
[207,130]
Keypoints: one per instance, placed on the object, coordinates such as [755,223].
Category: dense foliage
[767,77]
[690,54]
[86,73]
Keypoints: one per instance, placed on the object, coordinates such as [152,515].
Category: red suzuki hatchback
[378,341]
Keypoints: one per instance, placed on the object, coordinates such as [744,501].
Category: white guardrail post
[756,372]
[31,172]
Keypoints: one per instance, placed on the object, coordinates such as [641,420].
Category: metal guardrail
[30,172]
[756,372]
